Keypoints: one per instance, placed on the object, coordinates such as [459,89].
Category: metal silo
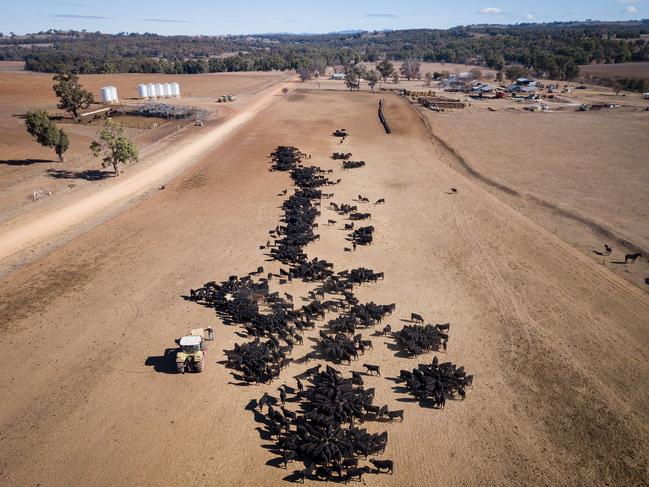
[175,89]
[159,90]
[113,93]
[142,91]
[168,90]
[150,88]
[106,94]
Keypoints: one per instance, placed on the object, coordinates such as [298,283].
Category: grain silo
[142,91]
[150,88]
[159,90]
[106,94]
[168,90]
[113,93]
[175,89]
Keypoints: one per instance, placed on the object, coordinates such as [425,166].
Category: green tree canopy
[353,77]
[72,97]
[386,69]
[46,133]
[116,147]
[372,78]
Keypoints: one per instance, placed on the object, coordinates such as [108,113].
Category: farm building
[338,76]
[482,88]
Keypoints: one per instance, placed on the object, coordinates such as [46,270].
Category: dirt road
[25,233]
[558,345]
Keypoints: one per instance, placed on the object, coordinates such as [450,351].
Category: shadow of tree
[25,162]
[88,175]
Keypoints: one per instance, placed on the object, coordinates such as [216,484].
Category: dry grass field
[626,70]
[581,175]
[557,342]
[26,167]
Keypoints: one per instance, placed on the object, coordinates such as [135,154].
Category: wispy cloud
[529,16]
[490,11]
[74,16]
[629,1]
[631,10]
[382,16]
[168,21]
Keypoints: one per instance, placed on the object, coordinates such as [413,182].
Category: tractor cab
[191,344]
[191,352]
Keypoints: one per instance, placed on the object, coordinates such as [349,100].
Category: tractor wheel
[198,366]
[180,367]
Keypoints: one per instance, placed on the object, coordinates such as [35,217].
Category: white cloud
[490,11]
[631,10]
[529,16]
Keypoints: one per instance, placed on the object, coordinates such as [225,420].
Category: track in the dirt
[322,433]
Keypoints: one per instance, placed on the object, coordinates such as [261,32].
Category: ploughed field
[625,70]
[556,343]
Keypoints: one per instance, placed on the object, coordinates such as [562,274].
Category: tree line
[553,50]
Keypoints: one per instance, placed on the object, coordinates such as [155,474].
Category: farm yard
[478,347]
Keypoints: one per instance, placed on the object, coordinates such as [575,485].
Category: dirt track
[558,344]
[25,234]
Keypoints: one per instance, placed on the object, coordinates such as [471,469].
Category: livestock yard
[464,334]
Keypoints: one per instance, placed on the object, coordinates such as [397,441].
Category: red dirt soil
[558,344]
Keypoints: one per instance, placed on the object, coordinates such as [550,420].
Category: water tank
[142,91]
[106,94]
[159,90]
[175,87]
[113,94]
[150,88]
[168,90]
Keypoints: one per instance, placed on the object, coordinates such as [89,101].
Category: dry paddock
[558,344]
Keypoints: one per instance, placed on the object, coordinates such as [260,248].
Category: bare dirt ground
[580,174]
[557,343]
[625,70]
[26,167]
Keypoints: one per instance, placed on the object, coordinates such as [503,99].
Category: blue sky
[255,16]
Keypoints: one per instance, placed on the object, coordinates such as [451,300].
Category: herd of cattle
[322,434]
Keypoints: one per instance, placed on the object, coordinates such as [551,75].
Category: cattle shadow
[87,175]
[25,162]
[276,462]
[163,364]
[295,477]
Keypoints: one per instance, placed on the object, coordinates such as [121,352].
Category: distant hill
[553,49]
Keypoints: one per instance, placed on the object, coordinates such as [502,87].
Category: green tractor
[190,357]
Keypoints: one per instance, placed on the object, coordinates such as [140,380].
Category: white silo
[175,89]
[159,90]
[106,94]
[142,91]
[168,90]
[150,88]
[113,93]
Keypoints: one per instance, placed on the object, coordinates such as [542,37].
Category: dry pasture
[26,167]
[557,343]
[625,70]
